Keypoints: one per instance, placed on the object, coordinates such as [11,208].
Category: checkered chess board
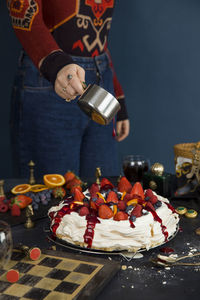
[56,275]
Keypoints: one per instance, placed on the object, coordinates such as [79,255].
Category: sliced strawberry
[153,199]
[15,210]
[99,201]
[105,212]
[112,197]
[69,175]
[120,216]
[78,195]
[94,189]
[137,211]
[121,205]
[137,189]
[106,183]
[124,185]
[84,211]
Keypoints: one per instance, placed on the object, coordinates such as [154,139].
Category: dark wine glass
[134,166]
[5,244]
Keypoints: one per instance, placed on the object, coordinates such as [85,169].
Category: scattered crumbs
[164,282]
[188,244]
[146,285]
[124,267]
[132,286]
[167,268]
[130,267]
[126,277]
[181,279]
[123,286]
[136,269]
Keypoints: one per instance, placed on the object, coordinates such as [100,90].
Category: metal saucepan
[98,104]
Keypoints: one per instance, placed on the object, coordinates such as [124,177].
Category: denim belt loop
[98,73]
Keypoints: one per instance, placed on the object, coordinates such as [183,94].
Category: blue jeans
[56,134]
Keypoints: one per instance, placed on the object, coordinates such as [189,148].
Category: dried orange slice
[96,117]
[38,188]
[21,188]
[53,180]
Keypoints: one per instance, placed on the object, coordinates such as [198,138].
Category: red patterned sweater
[55,29]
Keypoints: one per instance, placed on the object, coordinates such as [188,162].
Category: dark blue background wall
[156,51]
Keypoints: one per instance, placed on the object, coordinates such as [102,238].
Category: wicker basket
[185,150]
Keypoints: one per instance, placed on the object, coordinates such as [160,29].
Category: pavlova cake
[110,218]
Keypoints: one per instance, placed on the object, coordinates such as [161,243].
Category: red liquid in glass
[134,170]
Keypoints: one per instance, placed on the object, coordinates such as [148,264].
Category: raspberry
[153,199]
[84,211]
[121,205]
[148,193]
[149,206]
[3,207]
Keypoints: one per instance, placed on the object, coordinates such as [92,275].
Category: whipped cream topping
[150,229]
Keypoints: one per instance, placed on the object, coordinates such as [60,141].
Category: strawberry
[59,192]
[94,189]
[84,211]
[149,206]
[75,181]
[120,216]
[153,199]
[69,175]
[105,212]
[73,188]
[148,193]
[15,210]
[112,197]
[121,205]
[137,189]
[105,184]
[137,211]
[21,200]
[124,185]
[128,197]
[99,201]
[78,195]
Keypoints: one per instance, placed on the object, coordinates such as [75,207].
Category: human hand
[69,81]
[122,129]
